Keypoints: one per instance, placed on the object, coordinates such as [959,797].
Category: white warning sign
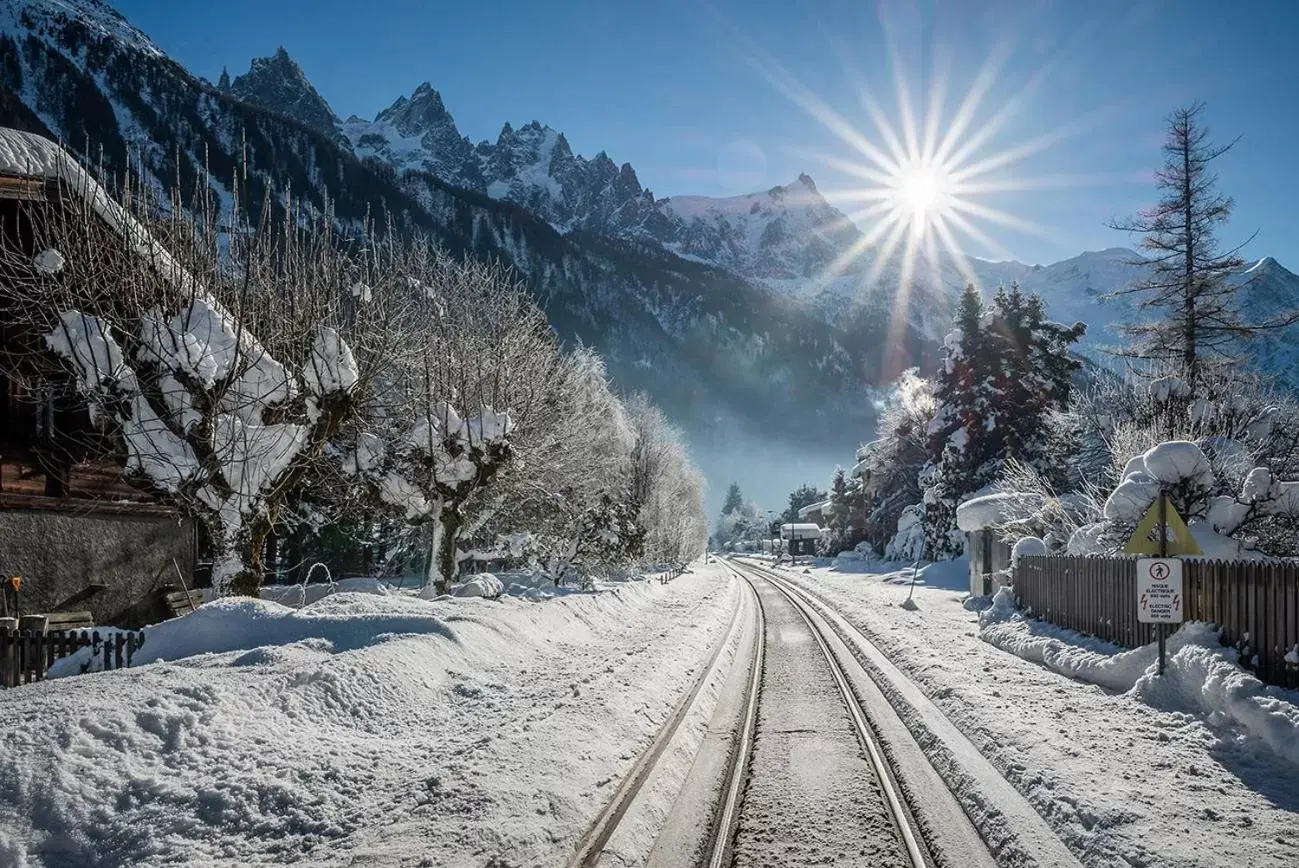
[1159,591]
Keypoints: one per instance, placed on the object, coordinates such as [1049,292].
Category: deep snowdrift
[360,729]
[1200,676]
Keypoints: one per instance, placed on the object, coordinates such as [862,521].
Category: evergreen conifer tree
[1005,370]
[733,499]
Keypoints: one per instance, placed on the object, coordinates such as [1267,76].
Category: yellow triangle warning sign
[1145,539]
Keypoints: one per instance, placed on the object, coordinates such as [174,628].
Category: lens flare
[926,171]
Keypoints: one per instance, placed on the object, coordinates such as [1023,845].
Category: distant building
[815,512]
[801,538]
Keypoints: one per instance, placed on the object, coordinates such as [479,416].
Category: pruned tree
[472,367]
[224,424]
[1187,288]
[569,487]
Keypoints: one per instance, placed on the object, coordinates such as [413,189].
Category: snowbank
[297,596]
[1200,676]
[336,622]
[482,585]
[451,732]
[855,560]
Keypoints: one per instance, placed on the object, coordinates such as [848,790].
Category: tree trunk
[248,581]
[442,552]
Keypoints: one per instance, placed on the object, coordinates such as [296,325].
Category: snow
[1200,676]
[297,596]
[87,343]
[909,542]
[252,457]
[489,426]
[49,261]
[1179,460]
[1165,389]
[990,510]
[330,367]
[481,585]
[1029,546]
[1168,464]
[359,729]
[1122,778]
[366,456]
[858,558]
[395,489]
[154,451]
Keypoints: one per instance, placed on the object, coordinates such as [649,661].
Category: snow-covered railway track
[591,848]
[801,794]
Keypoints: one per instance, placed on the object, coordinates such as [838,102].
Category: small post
[1163,553]
[8,650]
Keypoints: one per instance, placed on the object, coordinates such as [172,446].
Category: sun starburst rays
[922,170]
[920,173]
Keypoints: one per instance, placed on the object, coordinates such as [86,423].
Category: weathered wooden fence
[26,655]
[672,572]
[1255,603]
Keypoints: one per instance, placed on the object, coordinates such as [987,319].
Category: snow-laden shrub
[1184,473]
[908,544]
[1029,546]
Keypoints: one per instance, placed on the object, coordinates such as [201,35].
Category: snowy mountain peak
[787,233]
[422,112]
[417,132]
[69,21]
[1265,265]
[279,84]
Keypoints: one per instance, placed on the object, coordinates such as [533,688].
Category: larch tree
[1196,319]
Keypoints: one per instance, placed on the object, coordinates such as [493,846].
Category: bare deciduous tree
[159,343]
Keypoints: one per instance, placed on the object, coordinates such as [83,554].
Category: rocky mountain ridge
[714,350]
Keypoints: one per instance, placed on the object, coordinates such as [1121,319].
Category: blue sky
[684,91]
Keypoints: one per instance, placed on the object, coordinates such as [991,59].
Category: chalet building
[71,526]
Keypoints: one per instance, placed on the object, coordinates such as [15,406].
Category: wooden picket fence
[1256,604]
[673,572]
[26,655]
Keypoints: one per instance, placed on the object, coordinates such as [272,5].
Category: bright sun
[919,192]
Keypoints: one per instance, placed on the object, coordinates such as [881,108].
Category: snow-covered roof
[800,531]
[819,506]
[979,513]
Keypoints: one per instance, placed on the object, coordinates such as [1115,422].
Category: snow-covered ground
[359,729]
[1136,778]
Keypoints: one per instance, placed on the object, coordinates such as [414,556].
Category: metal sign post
[1163,553]
[1159,587]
